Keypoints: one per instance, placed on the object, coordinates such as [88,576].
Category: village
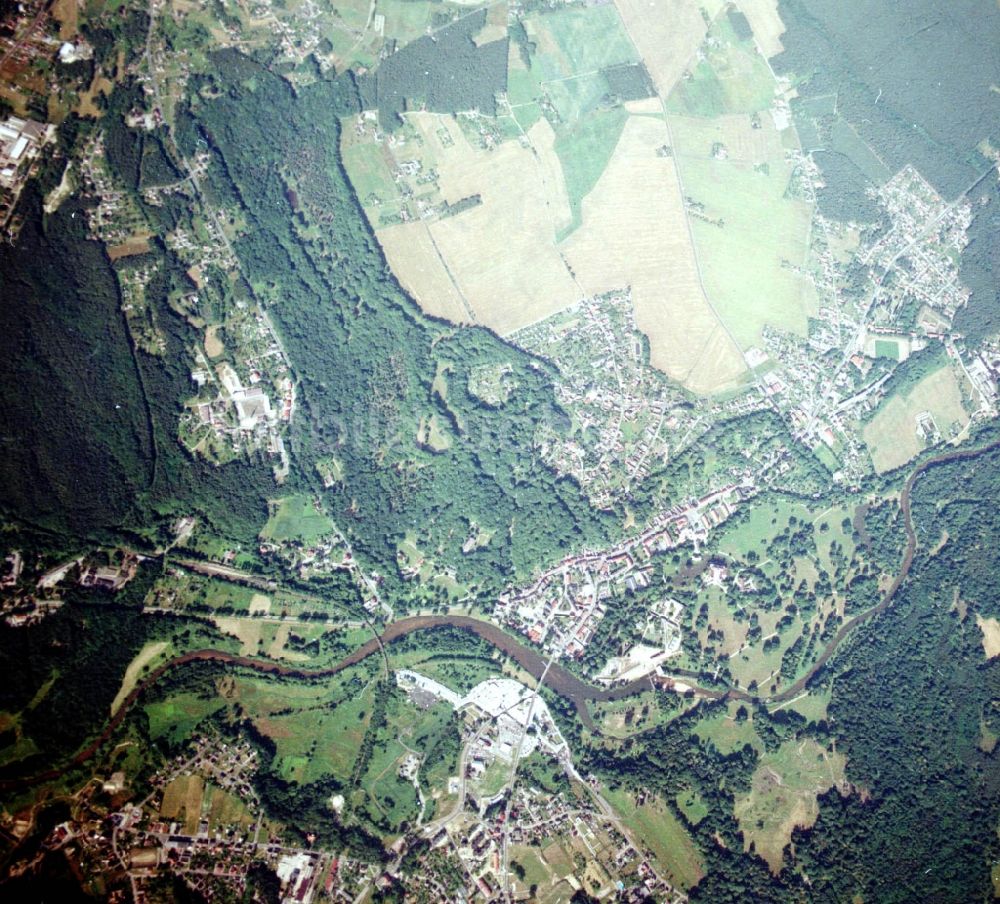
[562,608]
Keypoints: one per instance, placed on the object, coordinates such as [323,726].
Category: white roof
[18,149]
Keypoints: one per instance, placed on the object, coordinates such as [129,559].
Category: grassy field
[846,141]
[732,78]
[314,742]
[767,519]
[656,826]
[891,436]
[151,652]
[176,717]
[726,733]
[581,39]
[584,149]
[296,518]
[810,706]
[182,800]
[692,807]
[783,795]
[747,232]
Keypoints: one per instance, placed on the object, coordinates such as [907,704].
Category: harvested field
[136,244]
[991,635]
[766,24]
[499,253]
[414,258]
[635,233]
[667,34]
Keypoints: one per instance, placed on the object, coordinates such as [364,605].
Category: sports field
[892,437]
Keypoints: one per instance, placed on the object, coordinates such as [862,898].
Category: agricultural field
[634,232]
[892,434]
[450,265]
[748,232]
[654,822]
[182,800]
[152,653]
[667,34]
[729,76]
[296,518]
[783,795]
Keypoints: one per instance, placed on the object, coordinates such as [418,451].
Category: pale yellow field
[991,635]
[410,250]
[766,24]
[213,344]
[891,436]
[246,630]
[260,604]
[500,254]
[634,233]
[146,655]
[667,34]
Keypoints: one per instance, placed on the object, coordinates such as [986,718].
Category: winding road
[556,676]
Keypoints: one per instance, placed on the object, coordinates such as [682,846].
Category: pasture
[296,518]
[783,795]
[747,232]
[891,436]
[656,826]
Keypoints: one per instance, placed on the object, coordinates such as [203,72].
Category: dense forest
[366,357]
[446,72]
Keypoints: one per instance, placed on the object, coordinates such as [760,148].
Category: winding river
[580,693]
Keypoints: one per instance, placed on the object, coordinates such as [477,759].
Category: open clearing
[892,437]
[635,233]
[747,233]
[145,656]
[296,518]
[783,795]
[991,635]
[213,344]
